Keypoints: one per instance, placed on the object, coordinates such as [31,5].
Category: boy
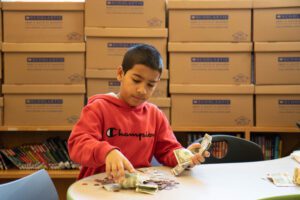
[118,132]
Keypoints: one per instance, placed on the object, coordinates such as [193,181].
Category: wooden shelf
[246,130]
[56,174]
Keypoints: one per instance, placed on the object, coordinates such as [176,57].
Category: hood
[117,102]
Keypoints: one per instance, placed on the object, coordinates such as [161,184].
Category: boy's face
[138,84]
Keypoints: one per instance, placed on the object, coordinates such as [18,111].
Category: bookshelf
[10,136]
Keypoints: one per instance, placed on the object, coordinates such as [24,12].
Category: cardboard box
[211,105]
[107,46]
[276,20]
[1,22]
[277,63]
[42,105]
[164,104]
[210,21]
[1,44]
[105,81]
[277,106]
[1,111]
[126,14]
[210,63]
[41,63]
[43,22]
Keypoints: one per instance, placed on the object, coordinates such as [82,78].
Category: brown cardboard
[43,21]
[42,105]
[41,63]
[210,21]
[104,81]
[1,39]
[211,105]
[163,103]
[276,20]
[126,14]
[1,111]
[210,63]
[106,46]
[277,63]
[277,106]
[0,63]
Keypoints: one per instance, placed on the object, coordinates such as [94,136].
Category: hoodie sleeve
[85,143]
[166,143]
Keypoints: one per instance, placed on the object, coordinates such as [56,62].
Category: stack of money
[183,156]
[133,181]
[296,178]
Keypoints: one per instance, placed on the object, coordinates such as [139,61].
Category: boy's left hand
[197,158]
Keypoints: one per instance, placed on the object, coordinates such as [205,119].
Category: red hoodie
[108,123]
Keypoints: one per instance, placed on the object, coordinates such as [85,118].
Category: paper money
[183,156]
[205,144]
[112,187]
[281,179]
[130,180]
[147,188]
[296,178]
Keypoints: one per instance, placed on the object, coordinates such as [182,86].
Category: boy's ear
[120,73]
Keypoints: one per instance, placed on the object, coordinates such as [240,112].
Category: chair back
[37,185]
[238,150]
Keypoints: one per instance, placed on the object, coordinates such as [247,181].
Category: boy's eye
[136,81]
[150,85]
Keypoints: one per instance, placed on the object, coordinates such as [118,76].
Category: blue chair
[37,185]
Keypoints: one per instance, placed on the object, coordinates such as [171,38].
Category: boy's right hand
[116,163]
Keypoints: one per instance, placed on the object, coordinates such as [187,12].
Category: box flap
[161,101]
[208,4]
[210,47]
[43,89]
[103,73]
[126,32]
[43,47]
[277,89]
[275,3]
[45,6]
[210,89]
[276,46]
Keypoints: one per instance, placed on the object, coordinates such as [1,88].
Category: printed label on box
[43,21]
[124,7]
[211,106]
[287,20]
[288,63]
[289,106]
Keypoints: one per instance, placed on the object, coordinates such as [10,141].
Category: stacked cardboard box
[44,54]
[113,26]
[276,35]
[210,63]
[1,98]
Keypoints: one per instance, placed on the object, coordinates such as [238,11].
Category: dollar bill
[281,179]
[183,156]
[112,187]
[147,188]
[205,144]
[296,178]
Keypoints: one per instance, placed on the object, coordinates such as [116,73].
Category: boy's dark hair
[142,54]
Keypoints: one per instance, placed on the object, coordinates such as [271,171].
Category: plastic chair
[238,150]
[37,185]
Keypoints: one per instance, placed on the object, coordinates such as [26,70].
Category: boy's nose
[141,89]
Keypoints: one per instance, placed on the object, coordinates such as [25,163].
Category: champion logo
[112,132]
